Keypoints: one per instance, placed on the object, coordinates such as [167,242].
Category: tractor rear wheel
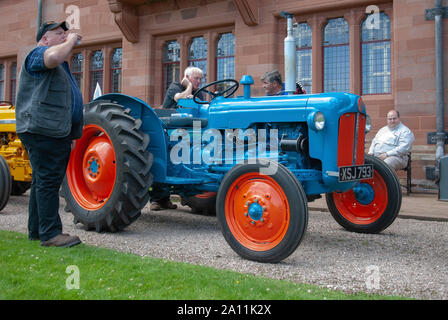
[263,217]
[108,176]
[5,183]
[372,205]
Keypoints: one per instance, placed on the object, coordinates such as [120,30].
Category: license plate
[353,173]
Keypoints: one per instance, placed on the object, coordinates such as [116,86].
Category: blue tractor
[264,158]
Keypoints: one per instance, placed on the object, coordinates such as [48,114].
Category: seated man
[393,142]
[272,83]
[184,89]
[160,199]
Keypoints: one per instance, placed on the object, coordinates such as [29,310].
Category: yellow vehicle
[14,154]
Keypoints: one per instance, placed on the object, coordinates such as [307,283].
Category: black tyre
[108,177]
[20,187]
[5,183]
[371,206]
[202,204]
[263,217]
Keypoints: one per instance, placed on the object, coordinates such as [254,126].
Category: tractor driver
[184,89]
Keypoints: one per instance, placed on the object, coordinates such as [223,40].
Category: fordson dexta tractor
[265,157]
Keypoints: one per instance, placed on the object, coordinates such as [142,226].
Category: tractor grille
[351,139]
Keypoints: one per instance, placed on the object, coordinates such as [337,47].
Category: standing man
[272,83]
[49,117]
[393,142]
[184,89]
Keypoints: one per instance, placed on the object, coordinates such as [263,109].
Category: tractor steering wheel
[226,92]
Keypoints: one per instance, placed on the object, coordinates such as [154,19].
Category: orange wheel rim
[91,171]
[257,211]
[364,205]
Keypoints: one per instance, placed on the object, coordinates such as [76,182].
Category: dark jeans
[159,195]
[49,158]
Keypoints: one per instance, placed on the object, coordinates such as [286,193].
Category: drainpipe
[438,13]
[39,13]
[440,103]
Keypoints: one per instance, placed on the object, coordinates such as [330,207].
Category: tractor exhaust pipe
[290,55]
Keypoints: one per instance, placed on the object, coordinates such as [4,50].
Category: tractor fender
[151,125]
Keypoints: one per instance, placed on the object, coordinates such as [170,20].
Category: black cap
[49,25]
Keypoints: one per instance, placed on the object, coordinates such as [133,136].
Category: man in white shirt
[393,142]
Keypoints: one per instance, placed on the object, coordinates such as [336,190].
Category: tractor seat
[183,121]
[164,112]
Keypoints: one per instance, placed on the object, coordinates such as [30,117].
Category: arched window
[197,56]
[375,53]
[170,63]
[115,70]
[336,56]
[77,65]
[96,71]
[225,58]
[304,54]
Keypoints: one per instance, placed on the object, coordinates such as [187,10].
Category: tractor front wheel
[263,217]
[108,177]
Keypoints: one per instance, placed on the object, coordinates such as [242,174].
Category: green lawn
[29,271]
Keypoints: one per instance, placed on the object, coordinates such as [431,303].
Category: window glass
[303,38]
[96,71]
[13,76]
[2,82]
[375,52]
[225,58]
[197,56]
[336,56]
[170,63]
[76,68]
[115,63]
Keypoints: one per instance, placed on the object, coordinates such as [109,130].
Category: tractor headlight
[368,124]
[316,121]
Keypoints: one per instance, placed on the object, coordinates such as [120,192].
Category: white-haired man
[184,89]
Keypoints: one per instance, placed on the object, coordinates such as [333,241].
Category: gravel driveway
[410,258]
